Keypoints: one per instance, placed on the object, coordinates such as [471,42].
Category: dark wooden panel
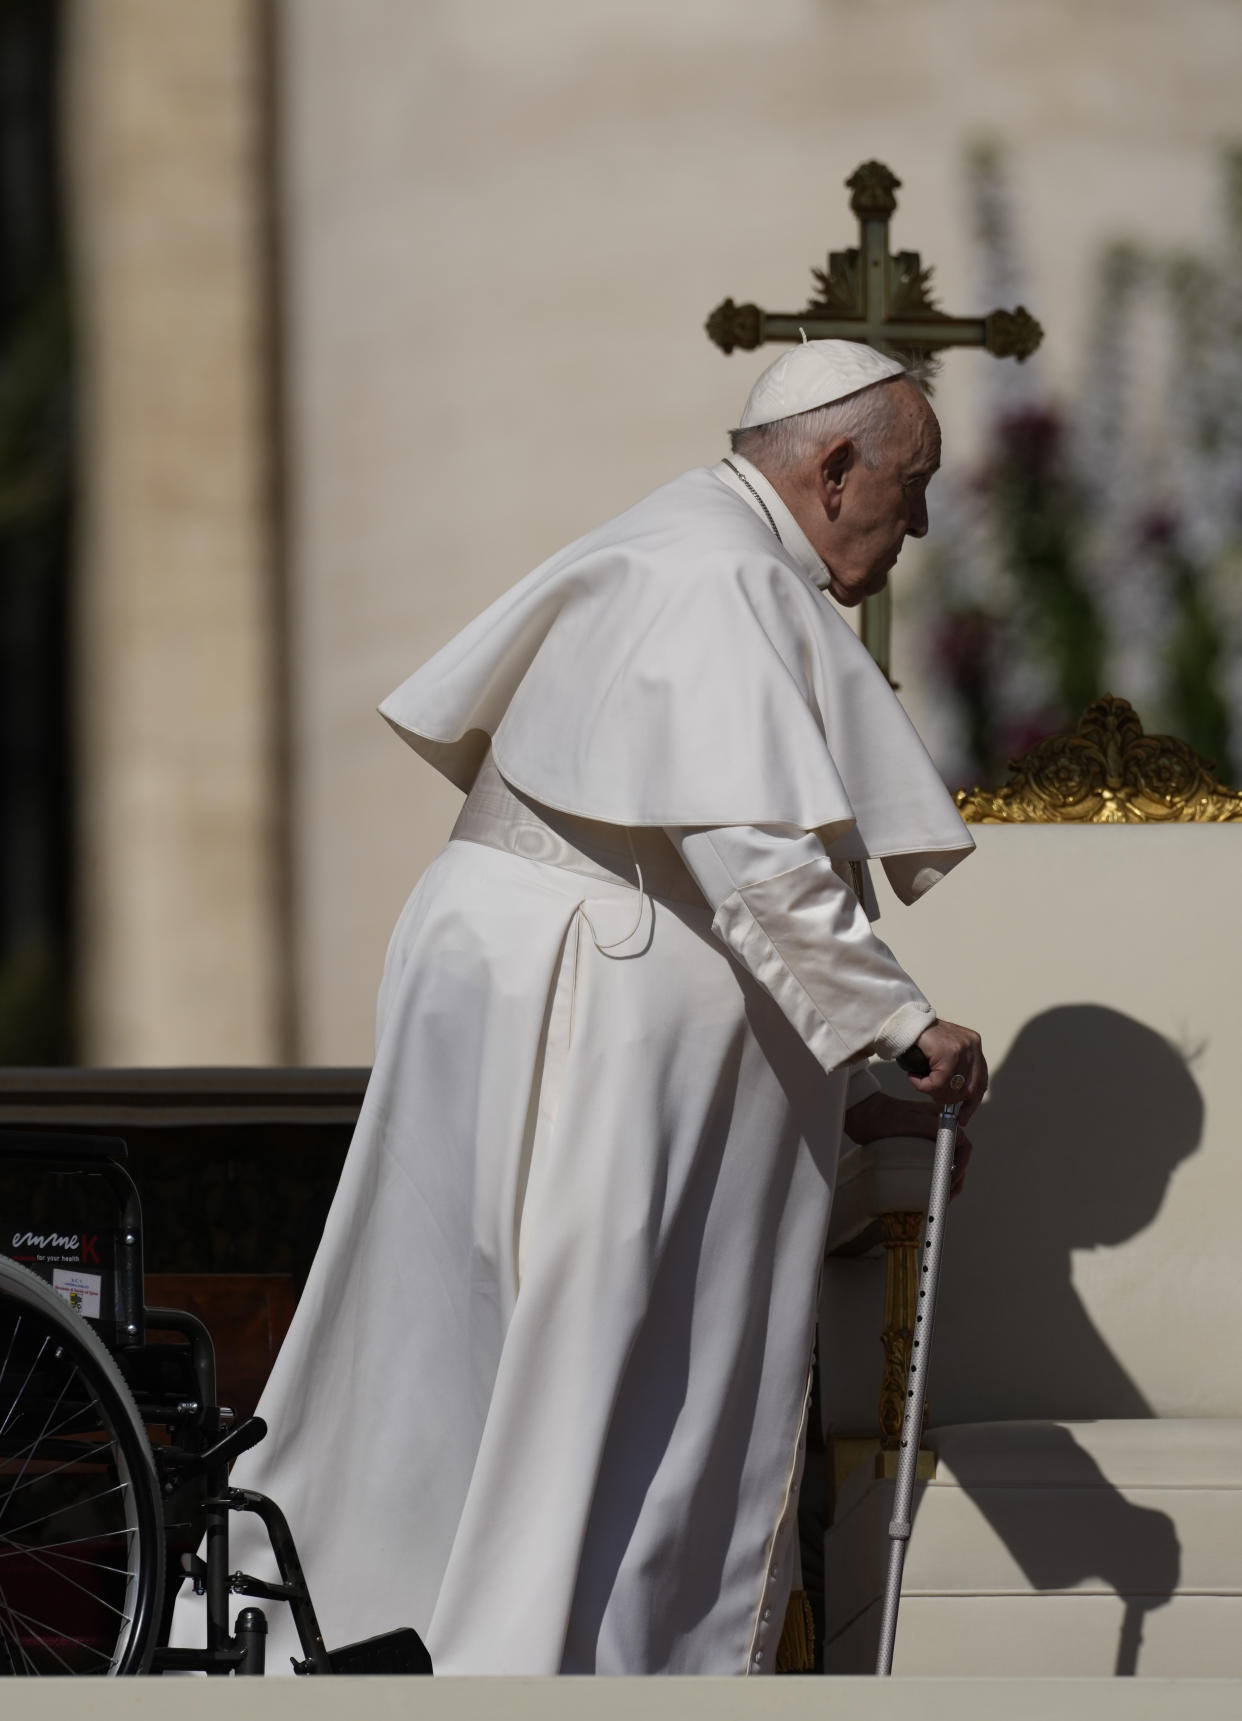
[247,1314]
[235,1168]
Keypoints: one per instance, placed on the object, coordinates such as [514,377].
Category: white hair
[786,443]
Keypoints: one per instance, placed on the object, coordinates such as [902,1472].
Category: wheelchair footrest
[400,1651]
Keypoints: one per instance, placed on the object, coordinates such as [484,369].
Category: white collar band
[761,495]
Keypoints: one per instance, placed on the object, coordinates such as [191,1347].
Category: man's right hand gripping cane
[957,1072]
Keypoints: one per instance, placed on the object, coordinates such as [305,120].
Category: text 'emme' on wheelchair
[114,1454]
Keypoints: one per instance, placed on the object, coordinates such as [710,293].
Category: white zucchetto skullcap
[812,375]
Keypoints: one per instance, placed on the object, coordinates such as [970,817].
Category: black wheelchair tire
[100,1433]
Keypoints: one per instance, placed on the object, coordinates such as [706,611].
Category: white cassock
[544,1395]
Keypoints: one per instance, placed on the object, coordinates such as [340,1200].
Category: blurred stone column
[179,948]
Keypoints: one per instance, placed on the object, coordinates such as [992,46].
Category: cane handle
[914,1061]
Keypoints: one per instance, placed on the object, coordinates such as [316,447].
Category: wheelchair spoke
[25,1383]
[4,1369]
[29,1620]
[19,1551]
[81,1522]
[32,1554]
[62,1428]
[89,1454]
[72,1506]
[44,1433]
[12,1640]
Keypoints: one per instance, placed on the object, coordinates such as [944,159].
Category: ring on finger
[957,1083]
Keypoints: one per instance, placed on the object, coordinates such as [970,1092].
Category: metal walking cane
[914,1063]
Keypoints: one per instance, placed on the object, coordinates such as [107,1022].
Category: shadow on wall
[1089,1117]
[1087,1120]
[1064,1522]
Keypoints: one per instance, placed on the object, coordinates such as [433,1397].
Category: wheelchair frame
[170,1386]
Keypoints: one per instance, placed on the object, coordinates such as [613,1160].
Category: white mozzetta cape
[678,666]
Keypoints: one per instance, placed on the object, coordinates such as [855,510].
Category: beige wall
[178,947]
[506,224]
[390,1699]
[1090,1268]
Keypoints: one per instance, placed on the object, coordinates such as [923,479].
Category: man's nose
[916,525]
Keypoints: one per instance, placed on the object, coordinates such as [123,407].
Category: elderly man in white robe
[544,1397]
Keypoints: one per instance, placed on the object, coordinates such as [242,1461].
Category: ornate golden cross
[867,294]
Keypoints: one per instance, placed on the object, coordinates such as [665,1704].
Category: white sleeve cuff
[903,1028]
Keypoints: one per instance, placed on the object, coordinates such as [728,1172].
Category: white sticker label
[80,1290]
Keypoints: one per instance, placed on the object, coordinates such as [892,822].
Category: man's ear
[834,464]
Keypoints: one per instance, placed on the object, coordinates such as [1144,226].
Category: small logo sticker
[80,1290]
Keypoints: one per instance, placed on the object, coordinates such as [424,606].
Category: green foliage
[34,1025]
[1039,531]
[1197,708]
[34,441]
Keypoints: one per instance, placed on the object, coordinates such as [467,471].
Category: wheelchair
[114,1454]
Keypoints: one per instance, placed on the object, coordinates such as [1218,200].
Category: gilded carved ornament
[901,1233]
[1108,772]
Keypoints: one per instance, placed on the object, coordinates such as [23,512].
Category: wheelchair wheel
[81,1524]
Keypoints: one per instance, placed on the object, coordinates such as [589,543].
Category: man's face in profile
[880,507]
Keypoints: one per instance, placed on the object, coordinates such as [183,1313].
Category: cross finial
[868,294]
[873,186]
